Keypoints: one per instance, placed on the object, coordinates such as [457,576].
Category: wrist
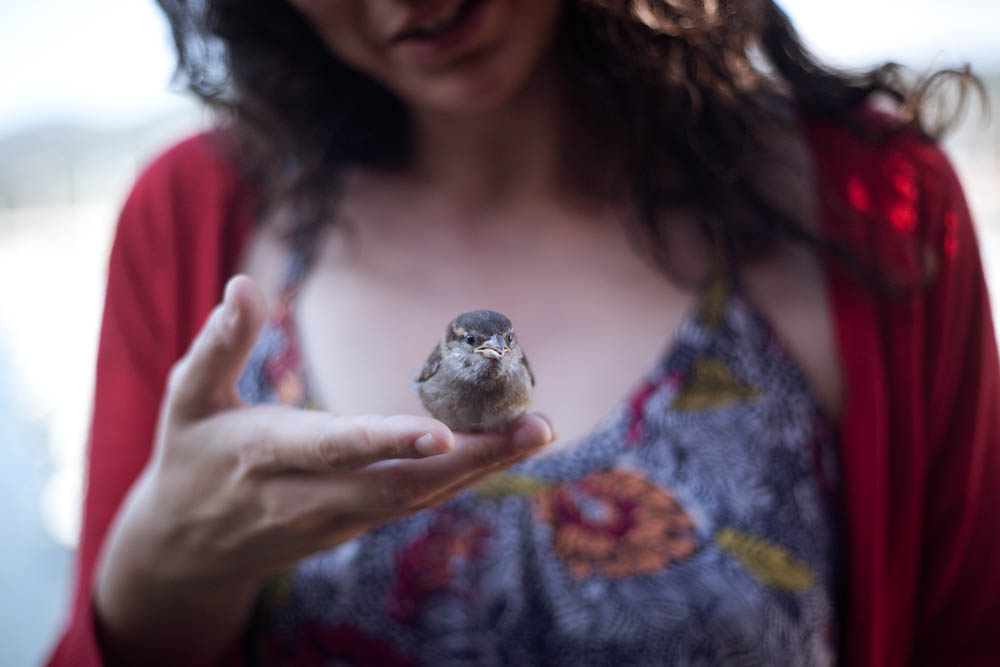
[152,605]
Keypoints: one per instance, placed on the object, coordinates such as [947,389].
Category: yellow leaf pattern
[711,309]
[773,565]
[502,485]
[710,385]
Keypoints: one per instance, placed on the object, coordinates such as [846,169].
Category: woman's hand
[235,493]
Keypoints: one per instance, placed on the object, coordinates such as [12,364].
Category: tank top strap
[275,371]
[714,295]
[295,270]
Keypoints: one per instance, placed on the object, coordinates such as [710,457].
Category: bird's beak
[494,348]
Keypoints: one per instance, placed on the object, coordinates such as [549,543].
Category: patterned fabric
[694,526]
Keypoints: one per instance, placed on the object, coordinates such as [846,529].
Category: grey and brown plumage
[477,377]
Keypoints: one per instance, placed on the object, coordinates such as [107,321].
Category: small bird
[477,378]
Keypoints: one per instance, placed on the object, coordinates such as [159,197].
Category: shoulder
[880,167]
[889,194]
[200,168]
[183,227]
[193,189]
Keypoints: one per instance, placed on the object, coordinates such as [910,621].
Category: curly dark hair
[678,82]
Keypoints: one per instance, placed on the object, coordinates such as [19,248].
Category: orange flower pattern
[617,523]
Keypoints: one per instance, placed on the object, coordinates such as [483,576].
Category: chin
[480,90]
[470,100]
[492,77]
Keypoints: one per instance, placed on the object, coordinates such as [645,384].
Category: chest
[591,317]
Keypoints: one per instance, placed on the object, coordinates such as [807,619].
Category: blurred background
[87,102]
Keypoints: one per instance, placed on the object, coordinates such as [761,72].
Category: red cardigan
[920,435]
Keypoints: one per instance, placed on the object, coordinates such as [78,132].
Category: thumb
[204,380]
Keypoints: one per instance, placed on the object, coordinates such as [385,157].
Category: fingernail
[230,313]
[525,439]
[552,427]
[430,445]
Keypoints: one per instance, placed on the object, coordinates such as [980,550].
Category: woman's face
[453,56]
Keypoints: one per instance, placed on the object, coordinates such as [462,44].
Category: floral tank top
[696,525]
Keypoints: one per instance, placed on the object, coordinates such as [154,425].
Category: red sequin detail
[903,182]
[950,234]
[902,202]
[903,217]
[857,194]
[901,172]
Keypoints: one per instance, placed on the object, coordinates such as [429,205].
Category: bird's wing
[431,365]
[527,367]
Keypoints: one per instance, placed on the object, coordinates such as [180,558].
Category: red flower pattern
[284,367]
[428,564]
[637,404]
[857,195]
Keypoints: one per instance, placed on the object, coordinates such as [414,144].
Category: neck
[502,154]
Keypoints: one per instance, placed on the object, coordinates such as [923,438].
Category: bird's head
[483,340]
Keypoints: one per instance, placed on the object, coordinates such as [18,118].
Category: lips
[430,19]
[460,27]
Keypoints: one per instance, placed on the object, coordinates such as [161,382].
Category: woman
[675,205]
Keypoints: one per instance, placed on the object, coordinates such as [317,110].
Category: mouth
[441,25]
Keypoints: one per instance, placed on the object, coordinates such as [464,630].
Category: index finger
[281,439]
[204,380]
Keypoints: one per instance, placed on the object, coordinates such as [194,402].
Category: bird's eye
[470,339]
[510,338]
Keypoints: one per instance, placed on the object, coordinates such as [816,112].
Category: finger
[324,510]
[334,522]
[524,450]
[204,380]
[336,502]
[405,486]
[465,483]
[333,505]
[279,439]
[525,434]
